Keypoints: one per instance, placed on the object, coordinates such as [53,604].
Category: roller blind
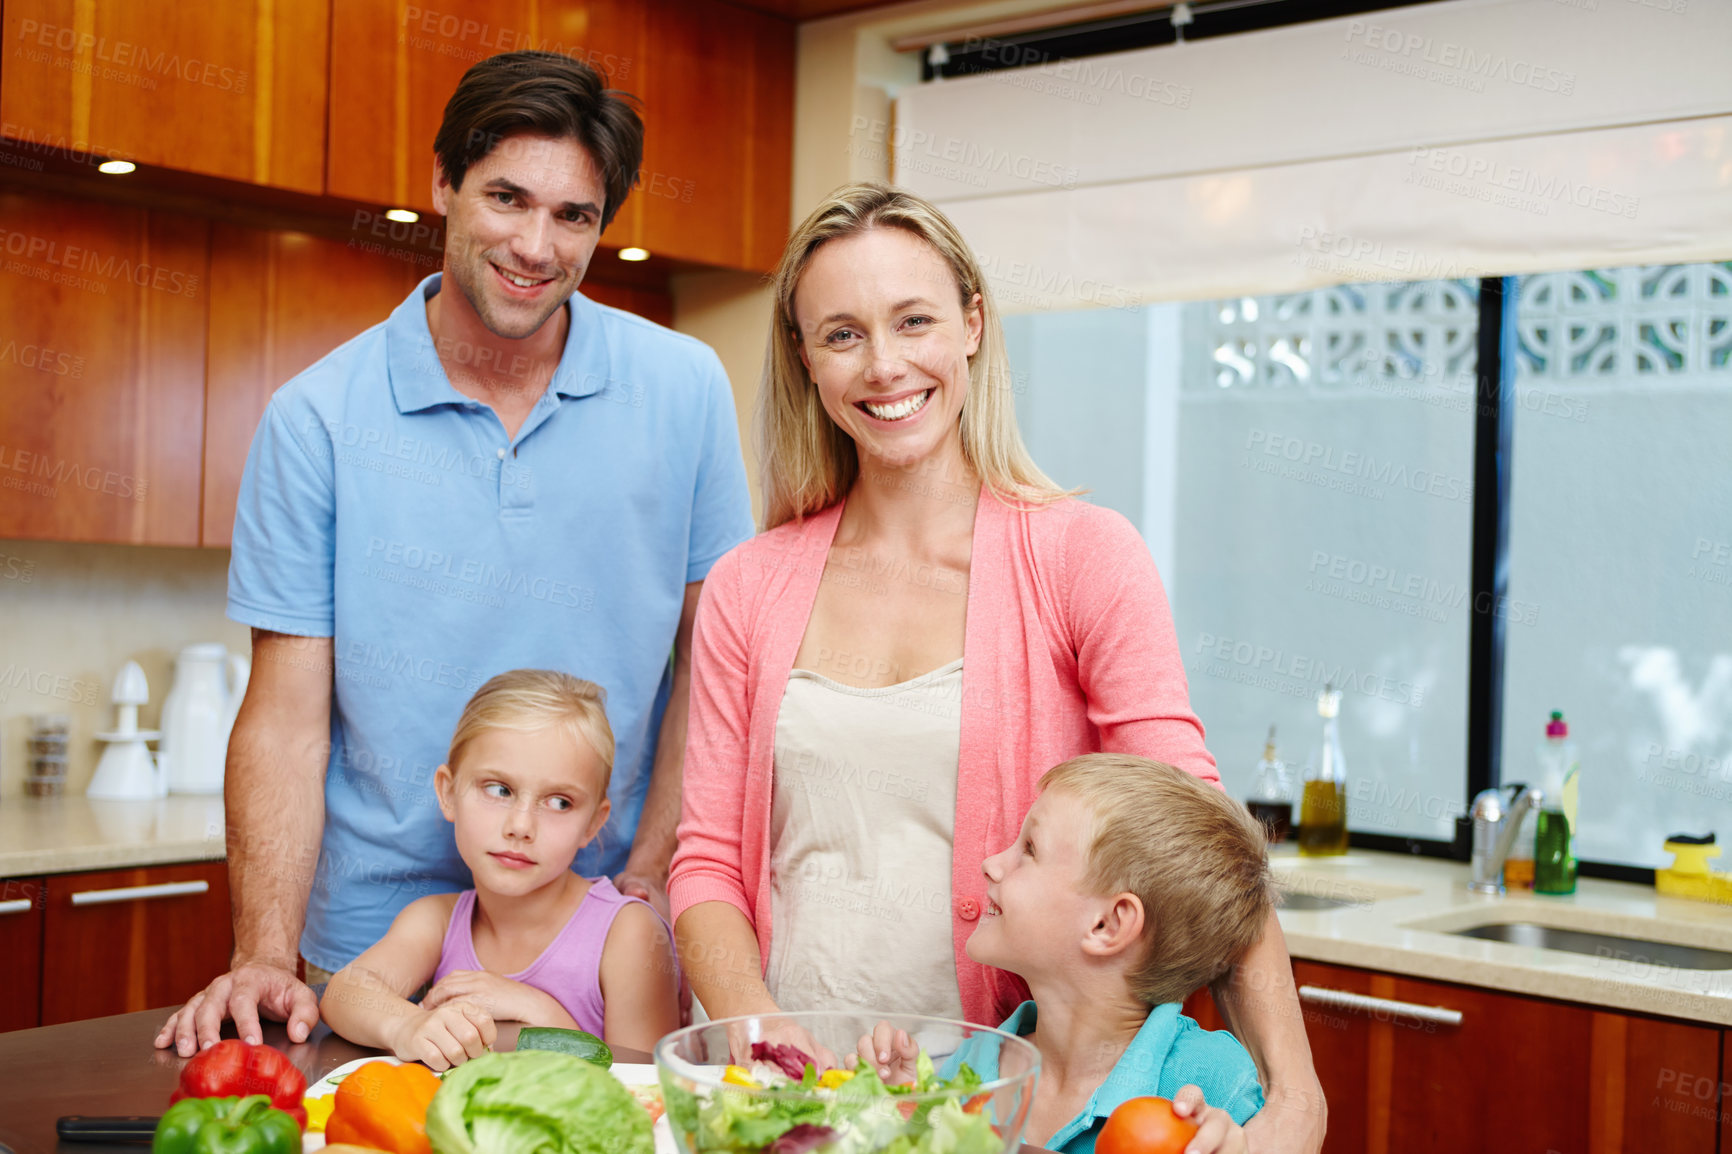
[1467,138]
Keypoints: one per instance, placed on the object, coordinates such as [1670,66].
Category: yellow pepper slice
[830,1079]
[318,1112]
[739,1076]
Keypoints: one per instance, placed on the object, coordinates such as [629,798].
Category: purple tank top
[569,968]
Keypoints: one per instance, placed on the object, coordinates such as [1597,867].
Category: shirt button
[502,454]
[967,909]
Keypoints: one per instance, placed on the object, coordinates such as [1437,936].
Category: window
[1621,548]
[1303,468]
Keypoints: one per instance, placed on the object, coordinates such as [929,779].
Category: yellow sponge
[1689,875]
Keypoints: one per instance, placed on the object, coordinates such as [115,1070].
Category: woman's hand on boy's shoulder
[1217,1133]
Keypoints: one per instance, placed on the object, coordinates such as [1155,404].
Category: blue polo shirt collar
[1129,1078]
[418,380]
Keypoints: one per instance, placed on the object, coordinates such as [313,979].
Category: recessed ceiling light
[402,214]
[116,167]
[634,253]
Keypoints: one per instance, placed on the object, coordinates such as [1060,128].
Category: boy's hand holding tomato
[1186,1125]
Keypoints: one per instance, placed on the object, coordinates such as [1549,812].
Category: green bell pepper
[249,1125]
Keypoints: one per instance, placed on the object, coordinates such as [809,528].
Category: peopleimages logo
[918,145]
[432,567]
[1480,65]
[1359,467]
[120,57]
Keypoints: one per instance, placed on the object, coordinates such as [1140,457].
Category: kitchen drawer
[1417,1066]
[117,941]
[20,953]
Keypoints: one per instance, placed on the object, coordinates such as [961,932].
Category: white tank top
[862,821]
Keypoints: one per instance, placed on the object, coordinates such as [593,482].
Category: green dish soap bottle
[1555,832]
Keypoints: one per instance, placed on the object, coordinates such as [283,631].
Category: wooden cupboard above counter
[235,90]
[142,345]
[343,101]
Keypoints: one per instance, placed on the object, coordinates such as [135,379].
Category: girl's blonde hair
[809,462]
[530,699]
[1194,857]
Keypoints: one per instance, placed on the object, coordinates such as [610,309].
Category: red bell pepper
[234,1069]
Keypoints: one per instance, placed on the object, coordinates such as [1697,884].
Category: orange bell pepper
[384,1107]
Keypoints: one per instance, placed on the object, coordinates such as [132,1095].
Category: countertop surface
[1399,917]
[1403,909]
[45,835]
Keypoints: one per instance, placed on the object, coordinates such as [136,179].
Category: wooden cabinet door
[1512,1076]
[235,89]
[718,95]
[117,941]
[1655,1086]
[1523,1073]
[1341,1051]
[279,302]
[20,953]
[101,370]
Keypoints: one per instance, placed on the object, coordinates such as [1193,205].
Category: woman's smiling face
[886,338]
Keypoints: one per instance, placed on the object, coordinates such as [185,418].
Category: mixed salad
[841,1111]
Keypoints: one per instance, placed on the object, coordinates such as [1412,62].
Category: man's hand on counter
[244,993]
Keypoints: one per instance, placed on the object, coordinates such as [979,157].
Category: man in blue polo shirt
[504,474]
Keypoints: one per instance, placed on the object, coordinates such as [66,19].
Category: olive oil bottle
[1323,805]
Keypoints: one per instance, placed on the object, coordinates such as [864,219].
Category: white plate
[629,1074]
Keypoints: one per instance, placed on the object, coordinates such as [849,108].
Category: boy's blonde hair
[809,462]
[1195,858]
[529,699]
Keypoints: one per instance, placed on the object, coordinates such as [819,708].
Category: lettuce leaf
[536,1102]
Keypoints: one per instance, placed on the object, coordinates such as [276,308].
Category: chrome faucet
[1494,832]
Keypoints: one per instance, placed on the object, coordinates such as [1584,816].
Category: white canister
[194,735]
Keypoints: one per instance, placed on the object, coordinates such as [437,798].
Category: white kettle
[209,683]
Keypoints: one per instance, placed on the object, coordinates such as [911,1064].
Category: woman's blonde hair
[1194,857]
[530,699]
[809,462]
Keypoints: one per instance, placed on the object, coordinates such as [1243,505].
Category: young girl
[525,785]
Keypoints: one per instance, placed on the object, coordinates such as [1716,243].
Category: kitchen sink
[1613,946]
[1289,900]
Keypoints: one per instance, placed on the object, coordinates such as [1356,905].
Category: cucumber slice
[574,1042]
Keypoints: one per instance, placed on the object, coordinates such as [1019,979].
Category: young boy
[1130,885]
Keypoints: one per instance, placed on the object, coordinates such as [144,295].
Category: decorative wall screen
[1338,338]
[1655,321]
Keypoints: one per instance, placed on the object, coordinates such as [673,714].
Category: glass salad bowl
[787,1084]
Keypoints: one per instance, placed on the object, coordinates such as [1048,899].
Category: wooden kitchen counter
[110,1066]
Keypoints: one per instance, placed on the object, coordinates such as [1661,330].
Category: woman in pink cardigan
[927,625]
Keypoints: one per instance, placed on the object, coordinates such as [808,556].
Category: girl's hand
[1217,1133]
[788,1034]
[891,1052]
[445,1037]
[502,999]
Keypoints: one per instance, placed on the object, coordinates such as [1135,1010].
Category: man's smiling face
[521,231]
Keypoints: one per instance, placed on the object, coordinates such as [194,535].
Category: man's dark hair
[550,95]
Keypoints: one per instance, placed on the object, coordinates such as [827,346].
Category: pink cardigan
[1069,649]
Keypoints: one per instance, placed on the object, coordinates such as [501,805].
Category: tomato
[1145,1126]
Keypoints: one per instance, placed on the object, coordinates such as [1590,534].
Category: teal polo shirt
[1169,1051]
[382,508]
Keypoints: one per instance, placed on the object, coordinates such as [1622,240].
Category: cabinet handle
[139,893]
[1343,1000]
[16,906]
